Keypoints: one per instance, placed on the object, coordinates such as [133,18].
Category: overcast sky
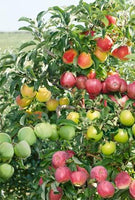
[12,10]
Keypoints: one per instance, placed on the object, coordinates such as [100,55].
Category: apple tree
[67,105]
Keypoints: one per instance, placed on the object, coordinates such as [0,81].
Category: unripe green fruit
[4,137]
[22,149]
[6,171]
[27,134]
[126,118]
[133,129]
[67,132]
[43,130]
[54,135]
[6,151]
[121,136]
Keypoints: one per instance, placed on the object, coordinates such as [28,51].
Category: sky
[12,10]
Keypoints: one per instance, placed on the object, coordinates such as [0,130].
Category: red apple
[40,181]
[62,174]
[111,19]
[104,89]
[105,189]
[83,170]
[56,196]
[78,178]
[122,180]
[121,52]
[105,44]
[69,55]
[113,98]
[67,80]
[131,90]
[123,86]
[93,86]
[99,173]
[113,83]
[80,81]
[59,159]
[91,74]
[70,153]
[132,189]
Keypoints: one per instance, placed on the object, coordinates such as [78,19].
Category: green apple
[6,171]
[93,134]
[43,130]
[4,137]
[67,132]
[121,136]
[22,149]
[93,114]
[54,135]
[27,134]
[108,148]
[133,129]
[6,151]
[126,118]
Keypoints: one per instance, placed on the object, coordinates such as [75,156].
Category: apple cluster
[112,84]
[97,177]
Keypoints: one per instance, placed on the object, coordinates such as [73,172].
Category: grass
[13,40]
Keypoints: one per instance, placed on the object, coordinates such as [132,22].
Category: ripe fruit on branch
[70,153]
[131,90]
[83,170]
[105,44]
[111,19]
[64,101]
[69,55]
[91,74]
[132,188]
[6,171]
[27,92]
[67,132]
[27,134]
[121,136]
[93,134]
[74,116]
[43,94]
[93,114]
[121,52]
[67,80]
[113,83]
[6,151]
[4,137]
[122,180]
[84,60]
[104,89]
[52,104]
[78,178]
[105,189]
[62,174]
[59,159]
[22,102]
[102,56]
[56,196]
[43,130]
[126,118]
[108,148]
[22,149]
[80,81]
[93,86]
[113,98]
[123,86]
[99,173]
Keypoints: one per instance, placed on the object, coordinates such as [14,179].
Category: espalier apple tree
[67,105]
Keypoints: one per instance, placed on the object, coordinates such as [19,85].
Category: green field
[12,40]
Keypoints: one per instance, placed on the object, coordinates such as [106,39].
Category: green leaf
[25,28]
[77,161]
[131,56]
[26,19]
[40,15]
[27,44]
